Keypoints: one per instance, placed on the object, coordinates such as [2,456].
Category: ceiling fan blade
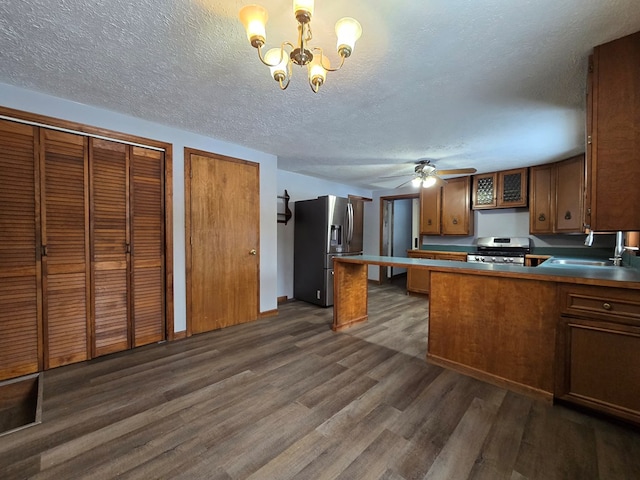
[404,183]
[397,176]
[456,171]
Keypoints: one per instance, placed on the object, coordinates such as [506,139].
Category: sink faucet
[589,240]
[619,250]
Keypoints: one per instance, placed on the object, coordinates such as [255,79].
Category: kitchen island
[511,325]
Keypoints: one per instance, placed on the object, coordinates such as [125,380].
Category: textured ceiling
[490,84]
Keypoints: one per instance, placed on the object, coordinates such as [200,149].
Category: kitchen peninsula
[513,326]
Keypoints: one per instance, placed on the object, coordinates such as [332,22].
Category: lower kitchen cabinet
[598,344]
[418,278]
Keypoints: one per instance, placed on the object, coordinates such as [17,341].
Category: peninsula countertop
[620,277]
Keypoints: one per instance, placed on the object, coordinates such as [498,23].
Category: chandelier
[280,60]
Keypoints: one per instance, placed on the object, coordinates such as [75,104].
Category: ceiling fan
[427,175]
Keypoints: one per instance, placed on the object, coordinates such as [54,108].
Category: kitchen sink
[576,262]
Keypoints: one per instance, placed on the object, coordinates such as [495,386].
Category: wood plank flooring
[287,398]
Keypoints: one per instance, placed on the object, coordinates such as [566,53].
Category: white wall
[42,104]
[302,187]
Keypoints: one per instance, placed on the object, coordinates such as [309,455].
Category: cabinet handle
[455,221]
[542,218]
[606,306]
[253,251]
[44,251]
[567,216]
[429,222]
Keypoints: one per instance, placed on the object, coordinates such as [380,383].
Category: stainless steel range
[508,250]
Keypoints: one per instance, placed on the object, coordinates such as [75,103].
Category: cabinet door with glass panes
[504,189]
[485,191]
[512,188]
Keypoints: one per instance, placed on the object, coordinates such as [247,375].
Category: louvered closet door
[65,277]
[19,260]
[109,244]
[147,245]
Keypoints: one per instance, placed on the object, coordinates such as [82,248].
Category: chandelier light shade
[279,60]
[348,31]
[254,18]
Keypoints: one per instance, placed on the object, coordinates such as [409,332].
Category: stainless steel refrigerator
[324,227]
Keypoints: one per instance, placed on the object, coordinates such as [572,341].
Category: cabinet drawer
[456,257]
[600,302]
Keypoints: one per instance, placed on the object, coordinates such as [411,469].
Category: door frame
[389,198]
[187,224]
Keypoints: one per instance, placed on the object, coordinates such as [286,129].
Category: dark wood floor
[286,397]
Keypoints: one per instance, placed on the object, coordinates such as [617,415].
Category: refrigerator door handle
[352,223]
[350,217]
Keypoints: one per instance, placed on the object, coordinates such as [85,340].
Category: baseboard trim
[179,335]
[268,313]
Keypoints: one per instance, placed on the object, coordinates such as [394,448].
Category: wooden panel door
[19,255]
[65,239]
[109,246]
[147,245]
[223,226]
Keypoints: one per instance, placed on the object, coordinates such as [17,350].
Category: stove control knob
[481,259]
[493,259]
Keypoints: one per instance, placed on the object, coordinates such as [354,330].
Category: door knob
[253,251]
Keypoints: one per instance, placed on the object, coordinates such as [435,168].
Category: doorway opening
[399,232]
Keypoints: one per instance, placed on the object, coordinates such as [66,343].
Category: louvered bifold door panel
[65,210]
[19,268]
[147,242]
[109,245]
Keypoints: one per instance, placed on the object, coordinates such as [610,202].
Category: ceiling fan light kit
[280,60]
[427,175]
[424,181]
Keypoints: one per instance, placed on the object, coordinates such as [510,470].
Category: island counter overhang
[493,322]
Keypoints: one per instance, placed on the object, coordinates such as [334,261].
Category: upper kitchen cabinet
[457,218]
[556,197]
[504,189]
[613,136]
[430,210]
[447,210]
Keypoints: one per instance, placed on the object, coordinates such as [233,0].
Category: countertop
[620,277]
